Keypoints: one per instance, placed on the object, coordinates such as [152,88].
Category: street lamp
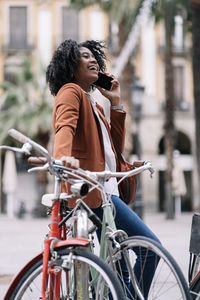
[137,93]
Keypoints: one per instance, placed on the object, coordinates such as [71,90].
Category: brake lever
[43,168]
[25,148]
[150,168]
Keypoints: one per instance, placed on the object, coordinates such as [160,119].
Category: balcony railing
[177,51]
[12,47]
[181,106]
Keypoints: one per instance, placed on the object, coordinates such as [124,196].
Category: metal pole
[138,202]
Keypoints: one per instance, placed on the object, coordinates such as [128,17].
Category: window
[178,33]
[69,24]
[181,103]
[18,27]
[178,83]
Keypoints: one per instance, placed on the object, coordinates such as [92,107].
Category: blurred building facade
[37,27]
[150,68]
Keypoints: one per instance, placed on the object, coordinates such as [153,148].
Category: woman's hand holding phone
[113,94]
[104,81]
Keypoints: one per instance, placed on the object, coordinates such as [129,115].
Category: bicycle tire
[168,281]
[29,284]
[195,288]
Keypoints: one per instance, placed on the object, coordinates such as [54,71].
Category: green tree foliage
[117,10]
[25,103]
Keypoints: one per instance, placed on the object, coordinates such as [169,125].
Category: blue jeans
[127,220]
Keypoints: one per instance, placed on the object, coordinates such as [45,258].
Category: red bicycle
[65,269]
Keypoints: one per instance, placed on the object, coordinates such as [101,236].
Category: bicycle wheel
[101,282]
[143,265]
[195,288]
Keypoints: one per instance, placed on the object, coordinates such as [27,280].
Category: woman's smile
[88,68]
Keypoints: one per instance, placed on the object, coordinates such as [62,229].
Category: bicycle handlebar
[91,175]
[147,166]
[24,139]
[56,165]
[32,160]
[18,136]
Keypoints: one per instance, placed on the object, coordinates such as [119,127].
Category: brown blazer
[78,133]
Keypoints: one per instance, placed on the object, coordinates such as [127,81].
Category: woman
[82,134]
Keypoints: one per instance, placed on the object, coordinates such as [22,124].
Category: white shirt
[111,186]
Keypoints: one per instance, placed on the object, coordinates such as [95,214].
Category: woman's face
[87,71]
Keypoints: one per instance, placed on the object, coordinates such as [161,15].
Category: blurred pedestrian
[178,182]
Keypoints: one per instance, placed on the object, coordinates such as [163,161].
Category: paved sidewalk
[23,239]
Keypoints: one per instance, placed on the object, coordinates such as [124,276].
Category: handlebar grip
[18,136]
[138,163]
[32,160]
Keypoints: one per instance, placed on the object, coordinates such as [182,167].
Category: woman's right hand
[70,161]
[113,95]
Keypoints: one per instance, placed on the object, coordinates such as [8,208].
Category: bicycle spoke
[146,256]
[101,281]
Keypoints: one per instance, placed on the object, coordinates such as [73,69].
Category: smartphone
[104,81]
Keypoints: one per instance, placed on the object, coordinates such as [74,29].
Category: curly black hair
[64,63]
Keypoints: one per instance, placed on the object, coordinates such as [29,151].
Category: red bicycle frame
[57,238]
